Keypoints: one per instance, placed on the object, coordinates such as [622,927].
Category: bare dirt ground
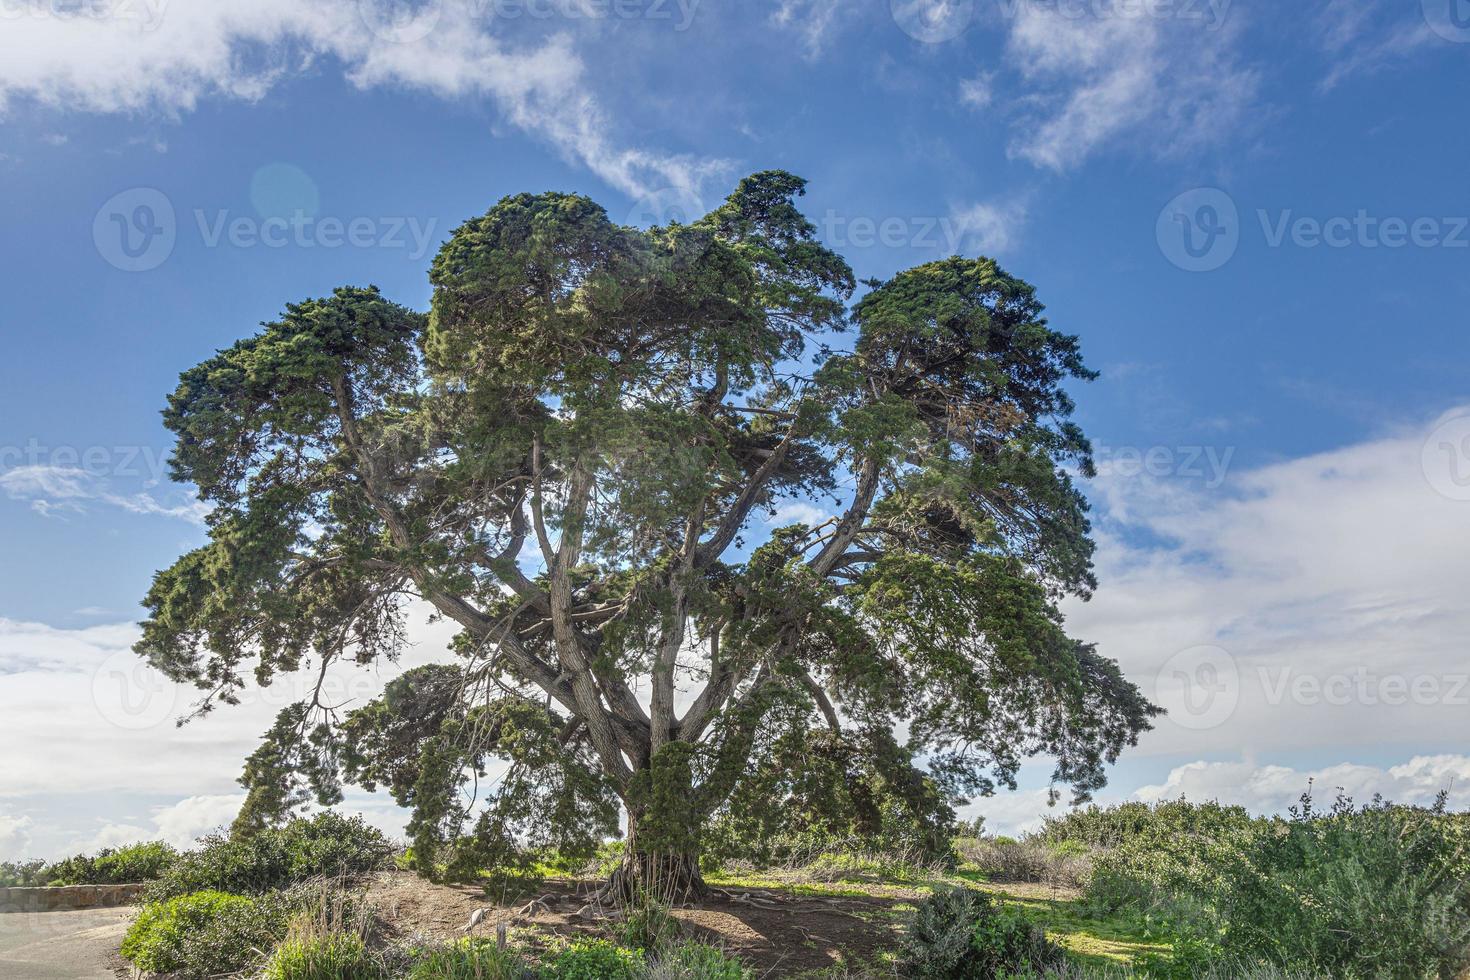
[778,933]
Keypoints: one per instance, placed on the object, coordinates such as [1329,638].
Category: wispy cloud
[1361,37]
[989,227]
[813,21]
[167,57]
[55,491]
[1165,84]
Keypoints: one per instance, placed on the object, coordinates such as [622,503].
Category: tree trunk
[653,874]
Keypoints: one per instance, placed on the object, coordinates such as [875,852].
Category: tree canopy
[691,507]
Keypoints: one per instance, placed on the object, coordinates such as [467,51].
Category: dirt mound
[774,931]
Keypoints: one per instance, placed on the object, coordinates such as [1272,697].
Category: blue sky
[1254,214]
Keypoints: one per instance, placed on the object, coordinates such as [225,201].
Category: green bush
[958,934]
[693,961]
[22,874]
[327,844]
[1379,892]
[199,935]
[469,959]
[122,866]
[595,959]
[328,956]
[1065,863]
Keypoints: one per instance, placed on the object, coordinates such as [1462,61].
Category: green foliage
[633,403]
[203,934]
[1066,863]
[817,792]
[958,934]
[124,865]
[595,959]
[326,845]
[647,925]
[328,956]
[24,874]
[1371,892]
[1164,860]
[469,959]
[693,961]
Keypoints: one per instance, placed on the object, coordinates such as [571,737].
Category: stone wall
[68,897]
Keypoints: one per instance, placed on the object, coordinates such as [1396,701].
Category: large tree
[604,454]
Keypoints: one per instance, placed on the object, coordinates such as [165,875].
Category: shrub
[199,935]
[857,866]
[595,959]
[123,866]
[1035,860]
[1381,891]
[327,844]
[22,874]
[469,959]
[1130,822]
[958,934]
[327,956]
[693,961]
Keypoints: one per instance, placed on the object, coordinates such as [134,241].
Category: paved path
[79,945]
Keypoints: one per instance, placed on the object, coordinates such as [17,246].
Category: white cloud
[1273,788]
[988,228]
[814,21]
[60,490]
[1354,35]
[978,92]
[167,56]
[189,819]
[798,512]
[1169,83]
[1333,584]
[86,725]
[15,836]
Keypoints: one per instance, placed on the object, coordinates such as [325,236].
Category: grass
[1092,939]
